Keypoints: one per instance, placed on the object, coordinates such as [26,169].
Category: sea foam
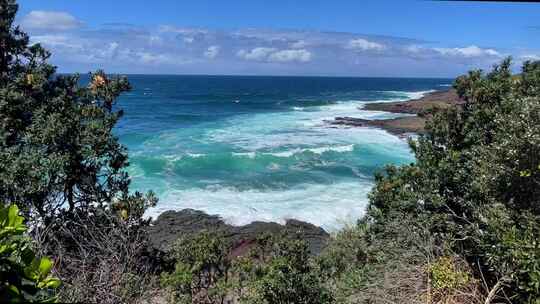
[242,146]
[329,206]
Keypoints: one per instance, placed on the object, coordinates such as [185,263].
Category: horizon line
[269,75]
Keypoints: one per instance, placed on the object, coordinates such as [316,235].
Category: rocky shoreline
[171,225]
[419,108]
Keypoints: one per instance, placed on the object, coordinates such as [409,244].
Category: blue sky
[345,38]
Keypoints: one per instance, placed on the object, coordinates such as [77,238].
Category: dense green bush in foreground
[23,276]
[475,185]
[62,164]
[276,269]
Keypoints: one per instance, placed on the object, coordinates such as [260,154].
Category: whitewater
[263,154]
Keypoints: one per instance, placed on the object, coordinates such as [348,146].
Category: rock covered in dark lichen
[171,225]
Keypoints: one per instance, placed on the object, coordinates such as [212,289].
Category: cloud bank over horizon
[167,49]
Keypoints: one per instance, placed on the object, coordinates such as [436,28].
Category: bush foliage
[57,148]
[476,180]
[24,277]
[63,165]
[276,269]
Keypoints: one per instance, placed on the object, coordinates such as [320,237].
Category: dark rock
[402,126]
[398,126]
[433,100]
[170,225]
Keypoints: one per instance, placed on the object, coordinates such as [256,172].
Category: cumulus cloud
[530,57]
[298,44]
[469,55]
[364,45]
[468,52]
[290,56]
[152,58]
[168,49]
[182,30]
[414,49]
[50,20]
[55,41]
[275,55]
[256,54]
[212,52]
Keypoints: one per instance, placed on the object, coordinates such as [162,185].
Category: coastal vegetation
[24,277]
[459,225]
[61,164]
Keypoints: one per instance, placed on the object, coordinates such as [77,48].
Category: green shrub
[62,163]
[475,183]
[200,271]
[276,269]
[445,274]
[290,277]
[23,276]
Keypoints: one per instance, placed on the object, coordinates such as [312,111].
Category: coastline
[417,108]
[170,225]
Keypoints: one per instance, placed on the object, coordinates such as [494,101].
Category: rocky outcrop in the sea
[431,101]
[170,225]
[422,107]
[396,126]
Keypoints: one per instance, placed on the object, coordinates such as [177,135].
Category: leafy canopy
[57,148]
[476,180]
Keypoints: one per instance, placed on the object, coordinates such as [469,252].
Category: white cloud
[54,41]
[162,50]
[531,57]
[151,58]
[290,56]
[468,52]
[364,45]
[50,20]
[415,49]
[275,55]
[212,52]
[300,44]
[182,30]
[256,54]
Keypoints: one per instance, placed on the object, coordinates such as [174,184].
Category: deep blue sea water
[257,148]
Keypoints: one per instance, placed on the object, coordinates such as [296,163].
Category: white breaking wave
[284,134]
[252,155]
[320,150]
[329,206]
[418,95]
[408,95]
[245,154]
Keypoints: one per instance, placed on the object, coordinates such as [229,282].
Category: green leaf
[13,216]
[27,255]
[13,290]
[53,283]
[32,271]
[45,266]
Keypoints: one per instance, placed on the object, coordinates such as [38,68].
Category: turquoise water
[256,148]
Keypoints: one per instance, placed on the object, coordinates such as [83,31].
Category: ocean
[257,148]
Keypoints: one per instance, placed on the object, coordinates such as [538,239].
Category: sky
[373,38]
